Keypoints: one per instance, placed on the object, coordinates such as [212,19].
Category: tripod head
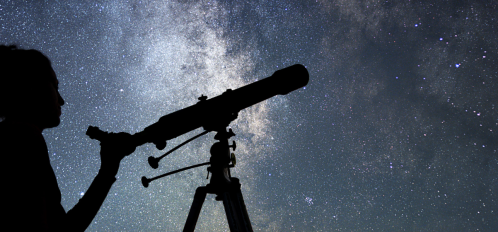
[221,158]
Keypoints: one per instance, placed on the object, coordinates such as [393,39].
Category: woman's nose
[61,100]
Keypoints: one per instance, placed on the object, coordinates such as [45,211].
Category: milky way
[394,132]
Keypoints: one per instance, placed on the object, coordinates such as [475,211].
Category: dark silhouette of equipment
[215,114]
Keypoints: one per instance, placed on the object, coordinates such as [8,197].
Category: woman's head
[28,87]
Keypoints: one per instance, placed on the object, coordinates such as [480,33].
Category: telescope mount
[226,188]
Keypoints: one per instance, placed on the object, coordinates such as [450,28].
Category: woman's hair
[21,71]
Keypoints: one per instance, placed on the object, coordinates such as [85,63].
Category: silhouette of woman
[29,103]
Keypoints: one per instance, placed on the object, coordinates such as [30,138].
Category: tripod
[226,188]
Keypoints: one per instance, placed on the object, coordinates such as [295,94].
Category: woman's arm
[113,150]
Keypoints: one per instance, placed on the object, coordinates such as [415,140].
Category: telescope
[215,114]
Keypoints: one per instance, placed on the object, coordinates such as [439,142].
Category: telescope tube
[217,113]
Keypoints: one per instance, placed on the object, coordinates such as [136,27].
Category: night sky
[396,130]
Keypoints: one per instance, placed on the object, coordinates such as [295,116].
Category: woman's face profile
[42,106]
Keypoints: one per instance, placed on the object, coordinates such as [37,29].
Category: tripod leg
[195,209]
[235,208]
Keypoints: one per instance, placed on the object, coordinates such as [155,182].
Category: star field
[396,130]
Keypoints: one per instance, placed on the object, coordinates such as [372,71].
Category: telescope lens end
[292,78]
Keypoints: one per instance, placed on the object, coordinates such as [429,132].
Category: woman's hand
[113,148]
